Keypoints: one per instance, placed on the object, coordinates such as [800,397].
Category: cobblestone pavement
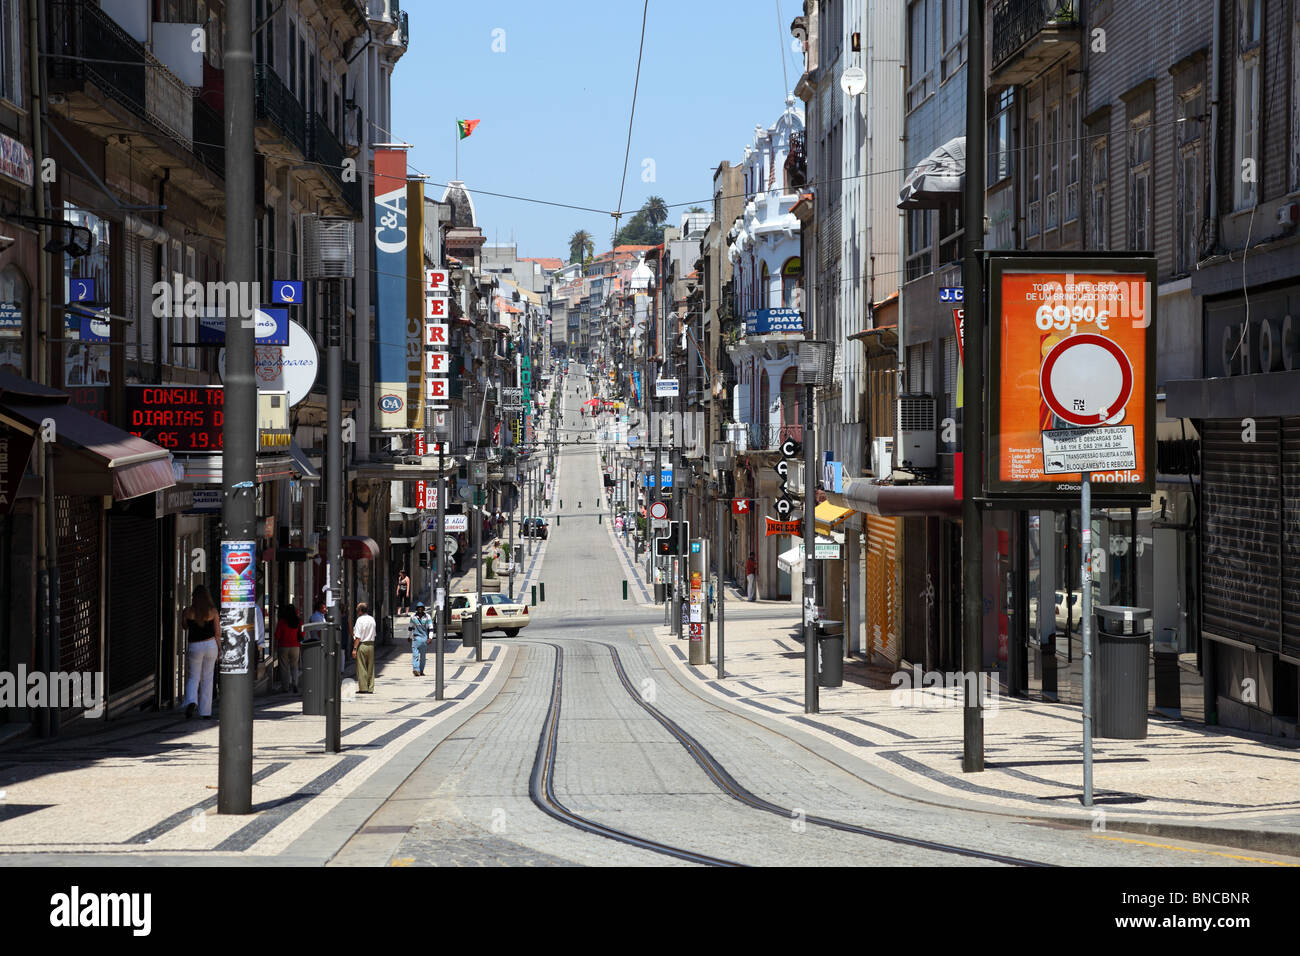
[469,803]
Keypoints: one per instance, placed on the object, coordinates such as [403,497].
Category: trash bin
[830,653]
[661,592]
[519,555]
[311,680]
[1120,673]
[471,629]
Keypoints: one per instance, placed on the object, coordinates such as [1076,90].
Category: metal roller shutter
[1291,536]
[79,616]
[1241,532]
[133,573]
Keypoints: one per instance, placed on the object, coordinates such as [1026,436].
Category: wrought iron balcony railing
[1016,22]
[277,104]
[113,60]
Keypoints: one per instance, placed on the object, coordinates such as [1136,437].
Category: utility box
[697,597]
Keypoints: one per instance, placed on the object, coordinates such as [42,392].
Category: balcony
[209,129]
[760,436]
[86,46]
[325,149]
[404,31]
[279,107]
[1031,35]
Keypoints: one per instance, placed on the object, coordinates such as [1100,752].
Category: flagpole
[458,150]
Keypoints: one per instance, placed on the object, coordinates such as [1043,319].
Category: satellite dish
[853,80]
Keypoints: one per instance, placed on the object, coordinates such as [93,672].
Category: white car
[499,612]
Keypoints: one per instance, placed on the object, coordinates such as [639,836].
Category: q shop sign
[1073,347]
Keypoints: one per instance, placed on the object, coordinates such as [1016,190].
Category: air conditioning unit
[882,457]
[916,438]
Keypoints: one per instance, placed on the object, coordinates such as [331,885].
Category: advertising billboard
[390,277]
[1071,346]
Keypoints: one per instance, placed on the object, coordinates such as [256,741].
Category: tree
[581,246]
[697,209]
[655,209]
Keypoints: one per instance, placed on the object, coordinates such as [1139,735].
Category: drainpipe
[1216,77]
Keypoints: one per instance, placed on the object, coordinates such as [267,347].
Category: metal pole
[334,514]
[441,572]
[722,587]
[812,698]
[478,569]
[1085,579]
[973,400]
[239,431]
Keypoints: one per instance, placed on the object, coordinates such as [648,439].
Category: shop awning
[937,180]
[897,501]
[358,548]
[91,456]
[828,517]
[791,561]
[302,464]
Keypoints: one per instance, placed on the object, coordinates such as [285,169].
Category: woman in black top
[200,623]
[403,591]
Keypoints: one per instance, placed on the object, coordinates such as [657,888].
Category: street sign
[666,388]
[658,510]
[1086,379]
[1068,451]
[775,527]
[826,551]
[456,522]
[450,545]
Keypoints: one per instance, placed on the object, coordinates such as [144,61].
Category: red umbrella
[592,401]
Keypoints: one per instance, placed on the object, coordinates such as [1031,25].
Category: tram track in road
[541,785]
[732,788]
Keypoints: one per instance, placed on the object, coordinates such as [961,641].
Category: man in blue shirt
[421,628]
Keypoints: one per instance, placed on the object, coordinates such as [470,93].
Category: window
[1053,146]
[1034,176]
[1246,132]
[293,58]
[920,53]
[919,240]
[87,364]
[999,137]
[1139,182]
[11,51]
[1294,178]
[954,35]
[1072,157]
[1099,173]
[950,232]
[1191,106]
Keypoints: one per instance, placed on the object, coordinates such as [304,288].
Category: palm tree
[697,209]
[656,210]
[581,246]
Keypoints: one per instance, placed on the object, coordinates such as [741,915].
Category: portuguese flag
[466,127]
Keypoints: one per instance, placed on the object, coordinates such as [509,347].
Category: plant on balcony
[1064,13]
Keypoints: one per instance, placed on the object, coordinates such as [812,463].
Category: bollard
[534,595]
[542,585]
[600,519]
[625,589]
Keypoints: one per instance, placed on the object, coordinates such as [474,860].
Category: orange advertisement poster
[1072,353]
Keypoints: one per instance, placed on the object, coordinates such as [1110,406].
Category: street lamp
[328,244]
[724,456]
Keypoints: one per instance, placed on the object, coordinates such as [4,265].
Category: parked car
[500,613]
[534,528]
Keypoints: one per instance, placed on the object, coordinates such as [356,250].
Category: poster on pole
[238,600]
[1071,346]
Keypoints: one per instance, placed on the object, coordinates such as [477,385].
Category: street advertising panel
[415,304]
[390,271]
[1071,347]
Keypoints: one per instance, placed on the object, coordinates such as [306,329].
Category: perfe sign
[1072,347]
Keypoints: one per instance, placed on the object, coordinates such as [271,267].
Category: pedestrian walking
[421,629]
[403,592]
[751,577]
[200,623]
[363,649]
[288,639]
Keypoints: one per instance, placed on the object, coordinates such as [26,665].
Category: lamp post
[724,455]
[328,245]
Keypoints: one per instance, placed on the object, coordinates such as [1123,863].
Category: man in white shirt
[363,649]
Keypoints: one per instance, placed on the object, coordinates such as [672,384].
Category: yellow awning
[829,517]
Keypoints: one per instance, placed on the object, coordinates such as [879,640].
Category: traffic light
[424,559]
[671,544]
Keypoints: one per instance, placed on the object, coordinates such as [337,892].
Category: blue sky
[554,104]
